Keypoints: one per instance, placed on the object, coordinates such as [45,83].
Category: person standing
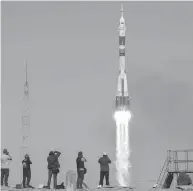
[104,162]
[80,160]
[53,167]
[5,161]
[26,171]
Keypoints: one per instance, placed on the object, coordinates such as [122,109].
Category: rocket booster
[122,96]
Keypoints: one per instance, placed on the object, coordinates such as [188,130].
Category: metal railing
[180,161]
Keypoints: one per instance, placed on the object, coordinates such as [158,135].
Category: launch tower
[25,129]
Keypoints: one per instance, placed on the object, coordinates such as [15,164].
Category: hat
[104,153]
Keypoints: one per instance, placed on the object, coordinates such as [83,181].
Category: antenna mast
[25,129]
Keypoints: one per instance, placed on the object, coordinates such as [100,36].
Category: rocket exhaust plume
[122,114]
[123,164]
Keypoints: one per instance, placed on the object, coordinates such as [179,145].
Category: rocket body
[122,96]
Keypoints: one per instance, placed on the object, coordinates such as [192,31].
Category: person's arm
[57,153]
[109,160]
[83,159]
[10,158]
[30,161]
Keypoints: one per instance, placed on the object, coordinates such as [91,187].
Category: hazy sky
[72,53]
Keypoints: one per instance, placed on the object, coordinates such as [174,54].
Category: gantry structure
[25,121]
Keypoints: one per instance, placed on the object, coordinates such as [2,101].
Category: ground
[187,188]
[95,189]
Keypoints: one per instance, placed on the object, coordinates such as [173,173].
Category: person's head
[80,154]
[26,156]
[5,151]
[51,153]
[104,154]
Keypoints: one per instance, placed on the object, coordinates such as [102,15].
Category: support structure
[25,129]
[177,161]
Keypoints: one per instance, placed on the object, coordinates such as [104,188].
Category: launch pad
[116,188]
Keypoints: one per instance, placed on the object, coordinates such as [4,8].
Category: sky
[72,54]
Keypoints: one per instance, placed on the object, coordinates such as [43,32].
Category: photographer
[81,170]
[53,167]
[26,171]
[5,161]
[104,162]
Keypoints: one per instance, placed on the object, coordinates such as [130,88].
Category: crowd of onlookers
[54,169]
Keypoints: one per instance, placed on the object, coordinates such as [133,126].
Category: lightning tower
[122,113]
[25,129]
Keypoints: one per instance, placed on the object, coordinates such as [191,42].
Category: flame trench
[123,164]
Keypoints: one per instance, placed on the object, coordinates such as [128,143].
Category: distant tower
[25,129]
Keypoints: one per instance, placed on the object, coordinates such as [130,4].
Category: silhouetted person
[26,171]
[5,160]
[80,160]
[104,162]
[53,167]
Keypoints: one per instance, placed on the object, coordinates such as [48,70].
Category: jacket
[104,163]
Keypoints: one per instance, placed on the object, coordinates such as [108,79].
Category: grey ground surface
[190,188]
[94,189]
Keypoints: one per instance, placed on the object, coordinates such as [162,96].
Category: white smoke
[123,164]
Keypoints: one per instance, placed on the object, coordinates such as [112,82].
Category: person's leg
[85,185]
[78,179]
[107,178]
[6,176]
[81,178]
[49,177]
[24,177]
[101,178]
[55,180]
[77,186]
[28,177]
[2,176]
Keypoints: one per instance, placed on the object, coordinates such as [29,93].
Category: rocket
[122,95]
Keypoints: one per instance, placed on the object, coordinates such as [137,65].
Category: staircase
[168,180]
[176,162]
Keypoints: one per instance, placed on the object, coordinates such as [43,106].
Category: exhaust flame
[123,164]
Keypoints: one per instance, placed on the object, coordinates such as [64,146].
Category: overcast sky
[72,53]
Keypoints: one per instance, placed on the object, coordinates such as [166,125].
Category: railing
[180,161]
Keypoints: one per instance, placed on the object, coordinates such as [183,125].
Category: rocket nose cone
[122,20]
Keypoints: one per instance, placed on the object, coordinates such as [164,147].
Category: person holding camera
[5,161]
[81,170]
[26,171]
[104,162]
[53,167]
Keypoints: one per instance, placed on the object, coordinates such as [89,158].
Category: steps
[168,180]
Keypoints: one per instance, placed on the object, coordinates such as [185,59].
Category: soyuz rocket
[122,95]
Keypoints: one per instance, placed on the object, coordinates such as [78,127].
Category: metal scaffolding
[177,161]
[25,129]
